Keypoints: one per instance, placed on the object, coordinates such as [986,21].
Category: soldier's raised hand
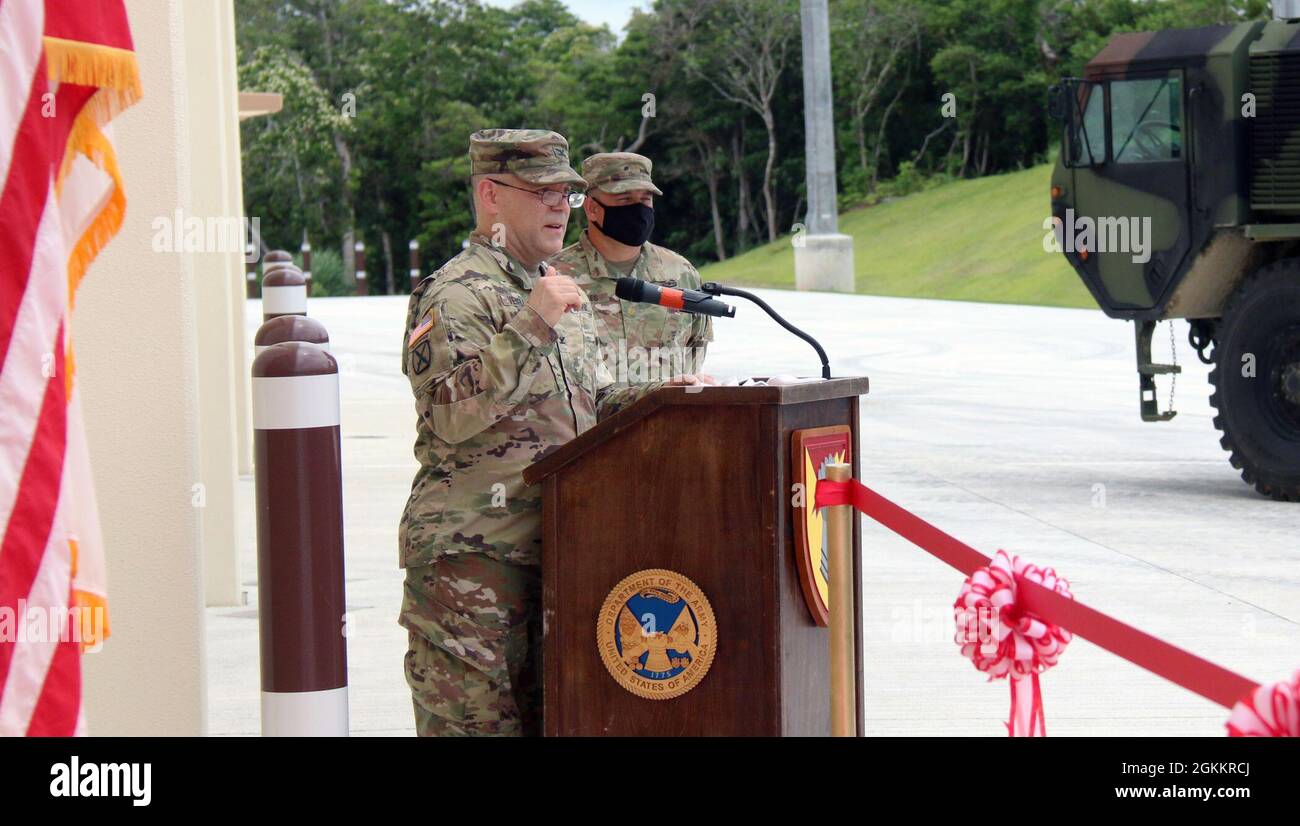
[554,295]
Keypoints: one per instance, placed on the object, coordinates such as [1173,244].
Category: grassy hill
[978,240]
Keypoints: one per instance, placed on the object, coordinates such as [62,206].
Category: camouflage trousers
[475,647]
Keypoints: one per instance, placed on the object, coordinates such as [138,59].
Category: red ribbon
[1193,673]
[1271,711]
[1037,721]
[1009,641]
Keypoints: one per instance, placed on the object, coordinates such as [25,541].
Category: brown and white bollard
[300,594]
[306,265]
[275,257]
[284,292]
[415,264]
[251,284]
[290,328]
[362,287]
[272,261]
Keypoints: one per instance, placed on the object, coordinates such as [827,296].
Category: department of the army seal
[656,634]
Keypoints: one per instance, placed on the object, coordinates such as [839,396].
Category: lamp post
[823,258]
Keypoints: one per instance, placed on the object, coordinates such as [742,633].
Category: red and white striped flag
[68,67]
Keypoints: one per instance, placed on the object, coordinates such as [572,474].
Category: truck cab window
[1087,131]
[1146,119]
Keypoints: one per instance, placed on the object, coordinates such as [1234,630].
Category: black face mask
[629,224]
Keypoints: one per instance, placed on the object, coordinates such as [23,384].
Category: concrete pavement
[1008,427]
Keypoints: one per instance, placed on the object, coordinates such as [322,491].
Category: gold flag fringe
[115,75]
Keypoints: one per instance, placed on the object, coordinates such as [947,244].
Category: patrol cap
[616,172]
[538,156]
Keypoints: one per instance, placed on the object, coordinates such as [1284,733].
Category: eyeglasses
[550,197]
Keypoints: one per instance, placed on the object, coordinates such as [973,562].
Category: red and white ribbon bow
[1269,711]
[1002,640]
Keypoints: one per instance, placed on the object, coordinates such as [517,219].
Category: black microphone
[687,301]
[714,288]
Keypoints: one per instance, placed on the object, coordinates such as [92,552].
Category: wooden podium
[698,484]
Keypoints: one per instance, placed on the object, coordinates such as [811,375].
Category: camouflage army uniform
[495,388]
[622,324]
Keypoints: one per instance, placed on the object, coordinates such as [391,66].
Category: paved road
[1008,427]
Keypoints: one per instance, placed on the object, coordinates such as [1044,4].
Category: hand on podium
[688,380]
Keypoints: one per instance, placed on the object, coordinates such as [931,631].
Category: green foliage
[380,97]
[907,181]
[294,169]
[968,240]
[327,273]
[854,186]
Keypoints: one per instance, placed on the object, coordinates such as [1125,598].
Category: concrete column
[823,258]
[211,106]
[141,393]
[1286,9]
[227,72]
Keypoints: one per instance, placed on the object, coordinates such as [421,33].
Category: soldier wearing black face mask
[620,217]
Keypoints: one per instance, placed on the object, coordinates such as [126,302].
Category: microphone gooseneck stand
[714,288]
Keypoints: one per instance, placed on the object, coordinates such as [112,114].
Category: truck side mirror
[1057,107]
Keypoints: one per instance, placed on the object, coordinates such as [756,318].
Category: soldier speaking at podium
[502,359]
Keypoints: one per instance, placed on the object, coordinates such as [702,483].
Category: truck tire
[1256,380]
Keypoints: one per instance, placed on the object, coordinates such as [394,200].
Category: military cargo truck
[1176,195]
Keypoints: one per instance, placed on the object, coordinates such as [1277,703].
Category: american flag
[67,67]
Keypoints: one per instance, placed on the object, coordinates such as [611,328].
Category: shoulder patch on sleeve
[421,357]
[420,331]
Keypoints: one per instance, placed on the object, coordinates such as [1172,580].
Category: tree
[871,41]
[290,170]
[741,48]
[382,95]
[990,63]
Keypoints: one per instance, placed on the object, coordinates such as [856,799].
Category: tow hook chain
[1200,335]
[1173,357]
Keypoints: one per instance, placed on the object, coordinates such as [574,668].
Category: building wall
[240,358]
[156,343]
[211,106]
